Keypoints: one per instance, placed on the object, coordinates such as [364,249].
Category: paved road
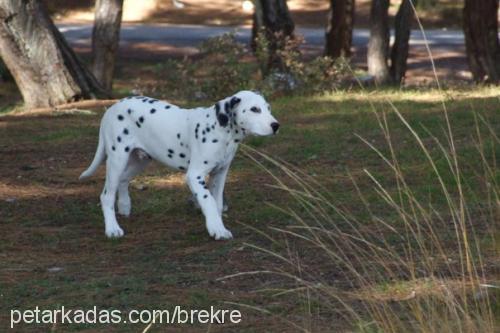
[190,35]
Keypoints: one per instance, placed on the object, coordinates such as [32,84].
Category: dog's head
[249,111]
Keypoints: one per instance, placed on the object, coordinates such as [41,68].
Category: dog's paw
[220,233]
[114,232]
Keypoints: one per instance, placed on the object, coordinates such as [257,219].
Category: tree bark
[44,67]
[378,45]
[480,25]
[105,40]
[339,28]
[273,19]
[402,30]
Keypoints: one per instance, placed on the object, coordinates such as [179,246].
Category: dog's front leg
[208,204]
[217,182]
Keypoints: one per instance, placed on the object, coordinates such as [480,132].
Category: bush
[224,66]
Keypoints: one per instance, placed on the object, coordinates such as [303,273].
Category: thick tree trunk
[339,28]
[480,23]
[105,39]
[378,45]
[272,18]
[402,30]
[44,67]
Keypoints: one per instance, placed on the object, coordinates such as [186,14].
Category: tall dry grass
[402,262]
[405,262]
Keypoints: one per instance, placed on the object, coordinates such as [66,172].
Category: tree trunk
[46,70]
[105,39]
[378,45]
[339,28]
[272,18]
[402,30]
[481,39]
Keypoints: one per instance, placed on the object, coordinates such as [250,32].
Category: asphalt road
[190,35]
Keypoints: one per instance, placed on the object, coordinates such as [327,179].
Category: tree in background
[272,21]
[480,23]
[46,70]
[105,40]
[402,30]
[339,28]
[378,45]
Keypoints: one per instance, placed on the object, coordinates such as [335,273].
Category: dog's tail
[99,157]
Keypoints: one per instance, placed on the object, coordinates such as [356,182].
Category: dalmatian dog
[201,141]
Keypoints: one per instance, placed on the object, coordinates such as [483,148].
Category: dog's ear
[222,116]
[234,101]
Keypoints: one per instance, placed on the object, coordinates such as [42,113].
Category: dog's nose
[275,127]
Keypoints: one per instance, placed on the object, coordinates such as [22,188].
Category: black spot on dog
[141,119]
[152,111]
[202,182]
[120,117]
[223,119]
[127,149]
[138,125]
[181,155]
[119,139]
[203,140]
[205,162]
[215,140]
[236,140]
[198,177]
[167,106]
[125,131]
[105,191]
[182,168]
[113,148]
[207,130]
[170,151]
[178,135]
[203,132]
[152,101]
[235,100]
[129,111]
[208,115]
[217,108]
[170,156]
[206,188]
[144,100]
[205,196]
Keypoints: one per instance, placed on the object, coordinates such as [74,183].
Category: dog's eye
[255,109]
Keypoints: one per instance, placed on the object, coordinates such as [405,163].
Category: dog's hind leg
[115,166]
[136,164]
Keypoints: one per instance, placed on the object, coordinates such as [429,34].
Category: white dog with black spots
[200,141]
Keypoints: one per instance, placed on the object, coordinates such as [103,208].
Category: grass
[49,219]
